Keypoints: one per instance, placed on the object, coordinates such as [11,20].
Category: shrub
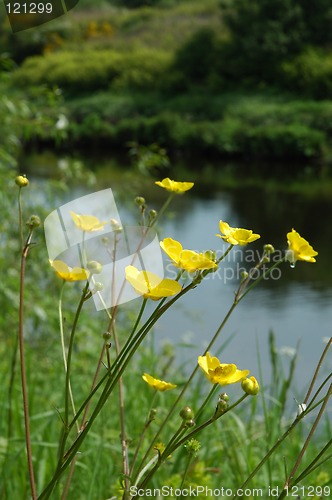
[94,69]
[310,73]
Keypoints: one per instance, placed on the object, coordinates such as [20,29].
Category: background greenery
[223,78]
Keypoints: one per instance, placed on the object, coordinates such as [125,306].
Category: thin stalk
[63,348]
[314,465]
[186,385]
[185,472]
[172,446]
[113,376]
[66,427]
[205,402]
[140,441]
[311,433]
[317,370]
[163,209]
[20,217]
[23,369]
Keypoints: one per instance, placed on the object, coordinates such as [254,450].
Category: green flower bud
[244,275]
[211,254]
[250,386]
[33,222]
[265,259]
[189,423]
[107,336]
[94,267]
[152,414]
[268,248]
[186,413]
[152,214]
[140,201]
[192,446]
[98,287]
[21,181]
[223,396]
[105,240]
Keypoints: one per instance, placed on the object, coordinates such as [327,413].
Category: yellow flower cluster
[150,285]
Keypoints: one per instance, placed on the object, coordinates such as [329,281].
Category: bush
[310,73]
[94,69]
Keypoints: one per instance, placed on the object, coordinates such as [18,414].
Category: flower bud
[152,214]
[33,222]
[107,336]
[211,254]
[94,267]
[140,201]
[244,275]
[105,240]
[250,386]
[223,396]
[186,413]
[116,226]
[192,446]
[268,248]
[152,414]
[21,181]
[189,423]
[98,287]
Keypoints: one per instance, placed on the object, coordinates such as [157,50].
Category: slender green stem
[174,444]
[20,215]
[25,251]
[63,348]
[328,345]
[185,472]
[113,375]
[66,427]
[311,433]
[163,209]
[314,465]
[140,442]
[186,385]
[205,402]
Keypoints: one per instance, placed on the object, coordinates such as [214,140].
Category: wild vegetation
[223,79]
[187,438]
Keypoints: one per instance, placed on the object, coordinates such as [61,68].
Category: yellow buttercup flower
[174,186]
[67,273]
[250,386]
[158,385]
[299,249]
[87,223]
[150,285]
[220,373]
[236,235]
[186,259]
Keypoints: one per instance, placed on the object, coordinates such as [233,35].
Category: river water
[296,304]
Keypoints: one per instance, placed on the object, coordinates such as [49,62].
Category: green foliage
[263,33]
[134,4]
[94,69]
[196,58]
[310,73]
